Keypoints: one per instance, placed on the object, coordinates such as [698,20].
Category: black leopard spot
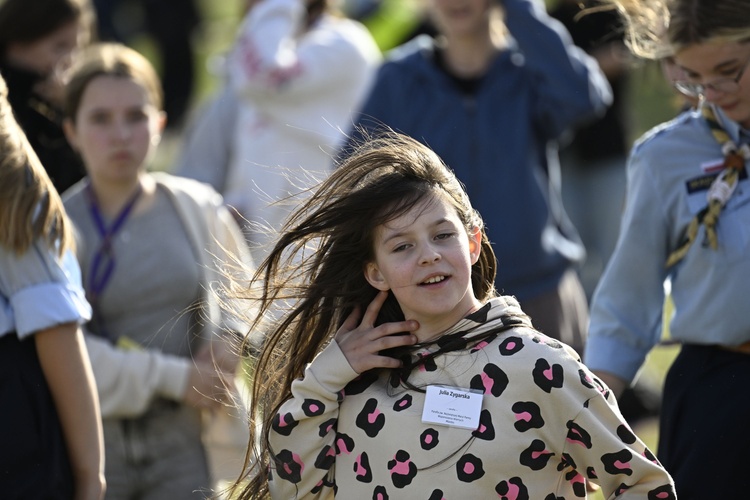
[512,489]
[591,473]
[480,315]
[536,456]
[665,492]
[324,483]
[486,429]
[544,340]
[650,456]
[344,444]
[379,493]
[326,427]
[625,434]
[289,466]
[510,346]
[313,407]
[618,463]
[436,495]
[403,403]
[552,496]
[621,489]
[590,381]
[492,380]
[483,343]
[403,470]
[284,424]
[578,435]
[362,470]
[326,458]
[429,439]
[566,462]
[546,376]
[577,482]
[428,365]
[370,419]
[469,468]
[528,416]
[361,383]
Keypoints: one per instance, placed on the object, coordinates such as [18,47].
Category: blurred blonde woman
[51,435]
[151,249]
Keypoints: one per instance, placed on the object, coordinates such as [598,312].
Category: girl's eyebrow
[722,65]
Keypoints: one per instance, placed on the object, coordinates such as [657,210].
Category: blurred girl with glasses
[687,220]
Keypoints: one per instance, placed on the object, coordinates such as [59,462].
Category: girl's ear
[70,133]
[475,244]
[375,278]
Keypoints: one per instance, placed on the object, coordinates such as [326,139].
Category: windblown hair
[110,59]
[660,28]
[317,269]
[30,207]
[26,21]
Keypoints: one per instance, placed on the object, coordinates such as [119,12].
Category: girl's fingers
[371,314]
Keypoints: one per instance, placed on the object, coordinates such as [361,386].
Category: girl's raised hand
[361,341]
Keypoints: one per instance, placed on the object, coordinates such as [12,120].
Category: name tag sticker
[452,406]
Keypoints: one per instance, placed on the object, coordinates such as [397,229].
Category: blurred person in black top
[593,163]
[37,41]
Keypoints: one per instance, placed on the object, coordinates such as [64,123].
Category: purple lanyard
[103,263]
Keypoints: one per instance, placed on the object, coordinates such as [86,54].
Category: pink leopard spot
[622,465]
[548,373]
[525,416]
[373,416]
[481,346]
[538,454]
[341,445]
[469,468]
[510,346]
[403,403]
[428,439]
[482,427]
[487,382]
[513,491]
[314,408]
[401,468]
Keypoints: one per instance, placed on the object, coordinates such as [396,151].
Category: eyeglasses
[727,85]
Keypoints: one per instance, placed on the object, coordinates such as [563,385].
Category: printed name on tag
[452,406]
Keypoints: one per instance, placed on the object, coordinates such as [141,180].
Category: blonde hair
[109,59]
[661,28]
[30,207]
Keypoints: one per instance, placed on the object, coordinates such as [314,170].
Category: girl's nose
[429,255]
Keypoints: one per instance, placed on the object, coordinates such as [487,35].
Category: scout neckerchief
[721,188]
[103,262]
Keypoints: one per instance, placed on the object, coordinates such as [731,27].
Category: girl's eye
[136,116]
[401,247]
[444,236]
[99,118]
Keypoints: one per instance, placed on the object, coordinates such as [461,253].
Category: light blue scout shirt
[38,290]
[668,177]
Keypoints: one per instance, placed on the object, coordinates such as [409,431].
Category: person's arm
[64,361]
[129,380]
[605,450]
[295,437]
[626,310]
[270,57]
[571,87]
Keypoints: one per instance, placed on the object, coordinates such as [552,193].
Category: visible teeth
[436,279]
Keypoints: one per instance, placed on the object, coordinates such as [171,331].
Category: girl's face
[424,258]
[116,128]
[461,18]
[716,65]
[47,54]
